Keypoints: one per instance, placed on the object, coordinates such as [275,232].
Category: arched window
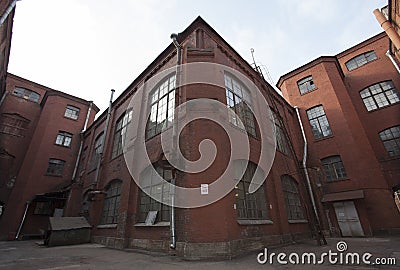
[291,194]
[238,99]
[391,140]
[111,203]
[97,150]
[379,95]
[162,106]
[360,60]
[120,133]
[26,94]
[157,190]
[250,205]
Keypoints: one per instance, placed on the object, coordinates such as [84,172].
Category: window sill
[62,146]
[66,117]
[324,138]
[107,226]
[53,175]
[254,221]
[337,180]
[294,221]
[158,224]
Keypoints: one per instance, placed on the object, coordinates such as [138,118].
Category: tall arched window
[391,140]
[250,205]
[111,203]
[238,99]
[157,190]
[97,150]
[162,106]
[120,133]
[291,194]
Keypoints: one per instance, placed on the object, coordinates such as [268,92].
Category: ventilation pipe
[388,27]
[96,179]
[174,135]
[320,235]
[8,11]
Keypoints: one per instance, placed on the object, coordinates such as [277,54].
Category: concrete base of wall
[199,251]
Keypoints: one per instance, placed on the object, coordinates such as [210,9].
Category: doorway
[347,216]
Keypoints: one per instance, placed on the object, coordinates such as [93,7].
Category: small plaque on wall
[151,217]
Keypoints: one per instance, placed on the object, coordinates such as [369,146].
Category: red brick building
[349,106]
[278,212]
[39,143]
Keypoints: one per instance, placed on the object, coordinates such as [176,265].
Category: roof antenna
[257,68]
[260,69]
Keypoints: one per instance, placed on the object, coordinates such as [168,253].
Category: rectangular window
[391,140]
[291,194]
[379,95]
[72,112]
[333,168]
[319,122]
[306,85]
[55,167]
[64,139]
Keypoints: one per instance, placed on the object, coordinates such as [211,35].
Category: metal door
[347,217]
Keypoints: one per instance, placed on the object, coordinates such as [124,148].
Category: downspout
[96,179]
[8,11]
[23,219]
[396,66]
[174,135]
[388,27]
[81,145]
[304,163]
[3,97]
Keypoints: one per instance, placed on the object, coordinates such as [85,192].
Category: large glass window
[290,189]
[55,167]
[360,60]
[97,150]
[306,85]
[391,140]
[72,112]
[239,101]
[333,168]
[64,139]
[319,123]
[26,94]
[379,95]
[281,140]
[111,203]
[162,106]
[120,133]
[251,205]
[157,190]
